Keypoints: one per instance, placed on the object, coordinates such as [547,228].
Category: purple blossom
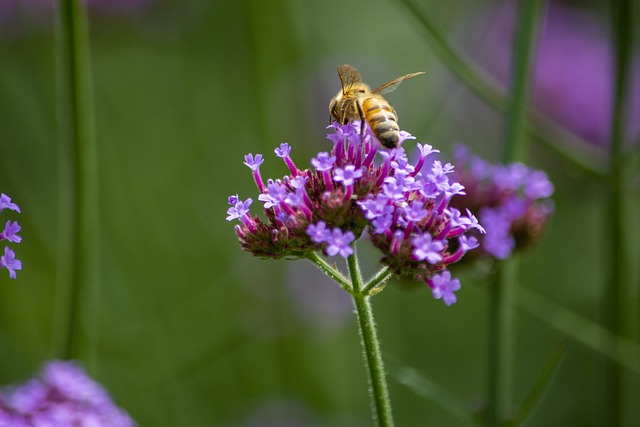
[382,224]
[443,287]
[415,211]
[339,243]
[323,162]
[318,232]
[62,395]
[512,201]
[239,209]
[348,175]
[403,205]
[498,241]
[6,203]
[425,248]
[275,196]
[10,231]
[538,185]
[283,151]
[9,261]
[253,162]
[379,206]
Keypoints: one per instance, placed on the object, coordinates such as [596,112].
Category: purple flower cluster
[61,396]
[404,206]
[10,233]
[512,202]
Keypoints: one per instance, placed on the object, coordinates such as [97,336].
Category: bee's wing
[393,84]
[348,76]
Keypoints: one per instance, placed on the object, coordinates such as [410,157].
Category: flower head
[404,206]
[62,394]
[443,287]
[512,201]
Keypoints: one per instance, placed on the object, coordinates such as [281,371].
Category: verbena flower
[62,395]
[513,202]
[404,206]
[10,233]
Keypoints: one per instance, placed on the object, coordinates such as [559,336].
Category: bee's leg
[363,118]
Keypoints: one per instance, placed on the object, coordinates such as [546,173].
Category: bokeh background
[194,332]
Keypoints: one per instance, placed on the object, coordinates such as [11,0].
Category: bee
[356,101]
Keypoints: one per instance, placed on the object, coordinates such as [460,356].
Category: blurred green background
[194,332]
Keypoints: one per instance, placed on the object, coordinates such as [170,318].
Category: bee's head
[335,106]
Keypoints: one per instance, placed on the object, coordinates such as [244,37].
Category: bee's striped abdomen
[383,121]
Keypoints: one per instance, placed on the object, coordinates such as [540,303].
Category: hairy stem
[371,348]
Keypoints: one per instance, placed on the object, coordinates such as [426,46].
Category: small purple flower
[10,231]
[239,209]
[283,151]
[443,287]
[498,241]
[339,243]
[382,223]
[424,247]
[253,162]
[9,261]
[415,211]
[318,232]
[468,243]
[5,202]
[323,162]
[276,194]
[379,206]
[348,175]
[538,185]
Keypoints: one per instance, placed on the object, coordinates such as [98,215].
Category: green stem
[500,342]
[371,347]
[514,143]
[502,294]
[76,309]
[621,303]
[378,281]
[330,271]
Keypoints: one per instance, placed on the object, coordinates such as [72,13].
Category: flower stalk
[371,348]
[404,207]
[621,300]
[78,279]
[502,294]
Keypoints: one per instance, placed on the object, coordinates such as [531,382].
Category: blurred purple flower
[513,202]
[573,75]
[62,395]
